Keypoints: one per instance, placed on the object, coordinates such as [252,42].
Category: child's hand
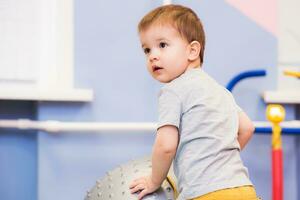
[145,185]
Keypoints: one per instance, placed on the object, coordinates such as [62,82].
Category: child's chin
[162,79]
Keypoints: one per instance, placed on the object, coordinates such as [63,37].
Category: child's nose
[154,55]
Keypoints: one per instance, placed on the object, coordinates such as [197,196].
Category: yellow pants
[237,193]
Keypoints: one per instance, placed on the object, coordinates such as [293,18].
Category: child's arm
[164,151]
[246,129]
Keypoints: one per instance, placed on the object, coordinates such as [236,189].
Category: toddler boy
[200,127]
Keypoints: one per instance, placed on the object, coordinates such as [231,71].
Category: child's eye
[162,44]
[146,50]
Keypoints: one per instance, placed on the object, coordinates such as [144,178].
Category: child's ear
[194,51]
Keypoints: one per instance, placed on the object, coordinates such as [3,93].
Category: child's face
[166,52]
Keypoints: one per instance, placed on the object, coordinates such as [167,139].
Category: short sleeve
[238,108]
[169,108]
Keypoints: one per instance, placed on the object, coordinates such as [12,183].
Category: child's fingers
[137,188]
[132,185]
[136,182]
[142,194]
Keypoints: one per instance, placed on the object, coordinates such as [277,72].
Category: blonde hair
[182,18]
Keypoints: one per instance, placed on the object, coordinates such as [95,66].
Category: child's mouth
[156,68]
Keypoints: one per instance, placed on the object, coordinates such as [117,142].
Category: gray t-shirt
[206,115]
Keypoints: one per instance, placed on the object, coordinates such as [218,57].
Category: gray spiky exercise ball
[115,184]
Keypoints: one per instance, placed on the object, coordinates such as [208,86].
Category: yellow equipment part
[292,73]
[276,114]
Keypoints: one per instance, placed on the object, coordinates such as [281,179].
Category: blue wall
[18,154]
[108,59]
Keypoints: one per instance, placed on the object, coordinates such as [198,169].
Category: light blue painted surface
[108,59]
[18,153]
